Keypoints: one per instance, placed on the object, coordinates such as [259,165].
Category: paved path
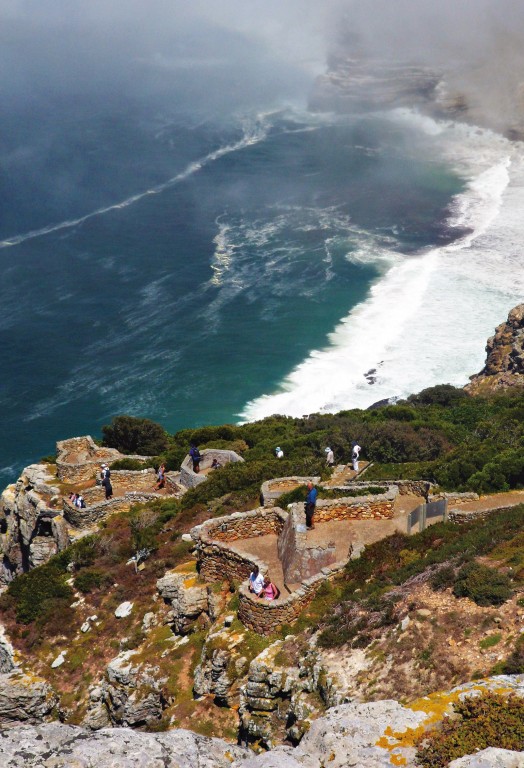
[492,501]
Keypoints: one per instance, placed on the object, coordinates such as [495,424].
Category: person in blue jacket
[311,502]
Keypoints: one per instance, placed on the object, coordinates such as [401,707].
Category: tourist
[196,457]
[216,464]
[106,484]
[330,459]
[269,590]
[279,453]
[256,581]
[355,454]
[311,503]
[79,501]
[161,477]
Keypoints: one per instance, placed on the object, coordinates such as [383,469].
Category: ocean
[201,268]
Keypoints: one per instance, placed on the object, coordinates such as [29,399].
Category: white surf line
[192,168]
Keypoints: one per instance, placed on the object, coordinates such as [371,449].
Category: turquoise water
[230,248]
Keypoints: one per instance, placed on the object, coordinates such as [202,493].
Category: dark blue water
[236,255]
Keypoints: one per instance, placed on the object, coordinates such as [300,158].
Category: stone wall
[79,459]
[266,617]
[272,489]
[378,507]
[84,518]
[139,480]
[191,479]
[216,560]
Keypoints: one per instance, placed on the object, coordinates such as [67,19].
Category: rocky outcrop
[361,83]
[190,600]
[33,528]
[132,692]
[24,698]
[504,367]
[66,746]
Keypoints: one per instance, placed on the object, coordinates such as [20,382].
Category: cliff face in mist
[470,93]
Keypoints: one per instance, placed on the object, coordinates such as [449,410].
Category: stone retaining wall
[379,507]
[241,525]
[79,459]
[85,518]
[270,490]
[266,617]
[216,560]
[455,498]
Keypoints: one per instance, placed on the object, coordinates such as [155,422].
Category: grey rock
[24,698]
[65,746]
[491,758]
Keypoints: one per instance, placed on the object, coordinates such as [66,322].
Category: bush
[443,394]
[514,664]
[34,591]
[88,580]
[483,585]
[489,720]
[131,435]
[443,578]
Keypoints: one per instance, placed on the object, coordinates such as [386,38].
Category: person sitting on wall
[196,457]
[256,581]
[269,590]
[161,477]
[216,464]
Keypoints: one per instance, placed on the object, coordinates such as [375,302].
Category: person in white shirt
[354,456]
[256,581]
[279,453]
[330,459]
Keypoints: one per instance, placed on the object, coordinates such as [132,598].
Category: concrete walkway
[491,502]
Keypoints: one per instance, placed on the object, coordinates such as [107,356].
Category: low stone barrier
[266,617]
[85,518]
[79,459]
[455,498]
[216,560]
[191,479]
[378,507]
[272,489]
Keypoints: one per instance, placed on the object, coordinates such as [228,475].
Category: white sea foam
[427,317]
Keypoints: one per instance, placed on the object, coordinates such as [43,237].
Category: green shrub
[489,720]
[133,465]
[483,585]
[129,434]
[443,578]
[88,580]
[34,591]
[514,664]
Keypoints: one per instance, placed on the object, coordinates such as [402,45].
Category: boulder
[491,758]
[24,698]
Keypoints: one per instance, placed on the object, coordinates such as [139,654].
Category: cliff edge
[504,367]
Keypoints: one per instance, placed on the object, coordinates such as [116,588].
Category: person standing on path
[311,503]
[354,455]
[330,458]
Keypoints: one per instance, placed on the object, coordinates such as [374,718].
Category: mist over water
[178,233]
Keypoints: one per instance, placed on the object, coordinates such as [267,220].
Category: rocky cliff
[504,367]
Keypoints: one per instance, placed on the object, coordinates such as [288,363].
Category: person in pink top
[269,591]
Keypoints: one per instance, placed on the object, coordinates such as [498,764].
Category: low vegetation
[488,720]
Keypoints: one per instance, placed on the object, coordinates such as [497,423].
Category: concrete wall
[299,560]
[191,479]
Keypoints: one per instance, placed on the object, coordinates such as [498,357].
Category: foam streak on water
[252,135]
[427,318]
